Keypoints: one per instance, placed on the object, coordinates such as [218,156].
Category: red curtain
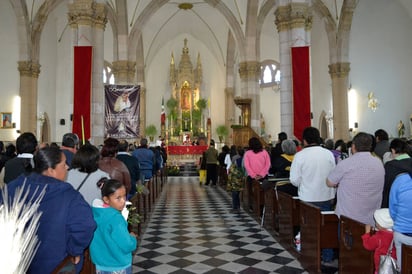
[301,90]
[82,91]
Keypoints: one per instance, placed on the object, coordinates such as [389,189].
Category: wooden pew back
[318,230]
[406,259]
[353,257]
[288,207]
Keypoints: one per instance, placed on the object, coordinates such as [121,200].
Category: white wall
[321,84]
[9,56]
[381,61]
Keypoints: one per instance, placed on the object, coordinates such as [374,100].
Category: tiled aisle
[193,231]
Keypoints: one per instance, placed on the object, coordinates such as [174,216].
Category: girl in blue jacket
[112,245]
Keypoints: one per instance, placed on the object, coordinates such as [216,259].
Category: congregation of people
[85,193]
[86,187]
[367,179]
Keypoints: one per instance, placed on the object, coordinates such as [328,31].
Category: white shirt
[309,170]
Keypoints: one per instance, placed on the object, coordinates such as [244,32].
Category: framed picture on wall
[6,120]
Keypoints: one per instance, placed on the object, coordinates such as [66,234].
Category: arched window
[108,77]
[269,74]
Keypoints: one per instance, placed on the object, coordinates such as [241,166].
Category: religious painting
[122,107]
[6,120]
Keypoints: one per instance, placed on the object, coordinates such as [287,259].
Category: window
[108,77]
[269,74]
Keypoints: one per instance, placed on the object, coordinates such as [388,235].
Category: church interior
[220,51]
[203,70]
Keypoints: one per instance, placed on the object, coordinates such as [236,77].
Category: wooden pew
[318,230]
[353,257]
[271,216]
[247,196]
[406,259]
[288,219]
[66,266]
[258,199]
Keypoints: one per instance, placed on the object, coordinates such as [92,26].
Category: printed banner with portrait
[122,111]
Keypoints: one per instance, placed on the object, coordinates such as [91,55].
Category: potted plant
[222,131]
[151,131]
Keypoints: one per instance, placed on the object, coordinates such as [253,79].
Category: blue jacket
[400,203]
[66,224]
[112,245]
[146,159]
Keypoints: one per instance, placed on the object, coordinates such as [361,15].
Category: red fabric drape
[301,90]
[82,90]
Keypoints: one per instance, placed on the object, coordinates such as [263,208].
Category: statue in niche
[185,99]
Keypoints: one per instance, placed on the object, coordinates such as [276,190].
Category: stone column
[249,74]
[88,20]
[29,75]
[124,71]
[293,22]
[339,73]
[230,110]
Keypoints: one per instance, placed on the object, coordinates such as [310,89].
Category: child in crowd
[112,245]
[379,241]
[235,181]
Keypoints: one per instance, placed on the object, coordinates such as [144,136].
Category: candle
[82,130]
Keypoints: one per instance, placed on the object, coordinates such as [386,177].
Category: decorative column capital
[282,15]
[29,69]
[300,16]
[293,16]
[124,71]
[339,70]
[249,70]
[87,13]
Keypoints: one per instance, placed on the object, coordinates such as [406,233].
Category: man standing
[131,163]
[359,180]
[308,172]
[69,146]
[146,159]
[26,145]
[211,164]
[310,168]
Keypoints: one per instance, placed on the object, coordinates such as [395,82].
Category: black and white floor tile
[193,231]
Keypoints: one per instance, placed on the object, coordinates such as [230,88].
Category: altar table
[184,150]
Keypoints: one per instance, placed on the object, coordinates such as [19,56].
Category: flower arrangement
[173,170]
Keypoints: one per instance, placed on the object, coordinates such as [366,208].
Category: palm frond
[19,222]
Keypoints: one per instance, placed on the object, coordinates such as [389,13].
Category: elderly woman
[281,164]
[66,224]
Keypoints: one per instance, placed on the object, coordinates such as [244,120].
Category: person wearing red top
[379,241]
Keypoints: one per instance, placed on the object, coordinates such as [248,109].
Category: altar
[184,153]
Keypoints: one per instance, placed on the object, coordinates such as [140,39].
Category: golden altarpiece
[186,119]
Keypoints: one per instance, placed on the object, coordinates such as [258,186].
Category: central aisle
[193,231]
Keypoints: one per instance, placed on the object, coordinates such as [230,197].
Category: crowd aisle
[193,231]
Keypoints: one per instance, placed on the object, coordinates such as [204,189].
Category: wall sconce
[372,101]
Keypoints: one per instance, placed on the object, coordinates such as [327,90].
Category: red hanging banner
[82,91]
[301,90]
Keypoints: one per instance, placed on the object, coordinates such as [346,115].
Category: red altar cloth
[183,150]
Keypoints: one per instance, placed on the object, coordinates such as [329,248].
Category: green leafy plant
[222,132]
[151,131]
[173,170]
[133,217]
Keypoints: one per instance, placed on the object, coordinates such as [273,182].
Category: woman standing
[85,172]
[257,164]
[66,224]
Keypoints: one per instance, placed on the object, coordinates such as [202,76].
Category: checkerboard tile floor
[193,231]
